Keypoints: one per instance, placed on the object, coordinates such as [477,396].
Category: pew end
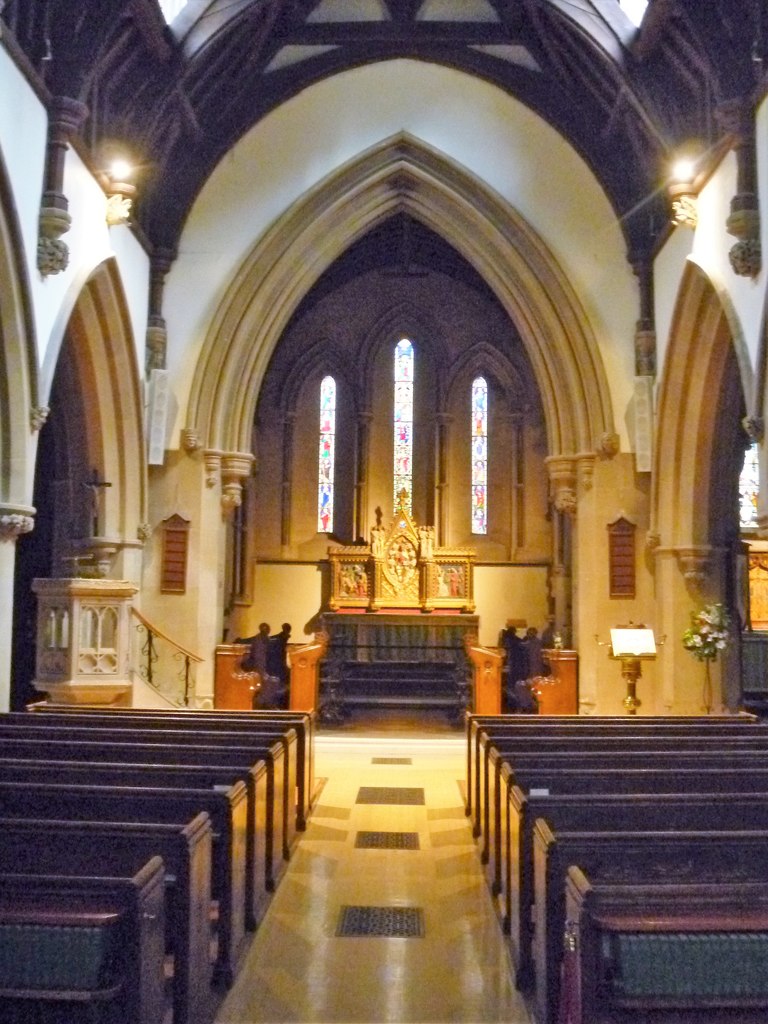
[646,951]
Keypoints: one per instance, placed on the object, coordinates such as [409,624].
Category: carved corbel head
[562,478]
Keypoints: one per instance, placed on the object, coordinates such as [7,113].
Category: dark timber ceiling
[181,97]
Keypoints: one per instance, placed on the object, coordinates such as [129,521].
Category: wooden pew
[607,812]
[716,915]
[260,744]
[304,724]
[631,745]
[227,810]
[483,735]
[543,779]
[119,773]
[20,745]
[31,846]
[46,904]
[562,724]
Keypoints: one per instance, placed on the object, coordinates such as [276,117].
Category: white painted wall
[23,134]
[475,124]
[708,246]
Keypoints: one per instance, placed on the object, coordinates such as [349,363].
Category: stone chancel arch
[401,174]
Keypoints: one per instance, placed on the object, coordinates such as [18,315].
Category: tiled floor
[297,969]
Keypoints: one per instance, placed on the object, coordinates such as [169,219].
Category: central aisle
[298,969]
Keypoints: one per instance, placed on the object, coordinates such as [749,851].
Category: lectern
[631,645]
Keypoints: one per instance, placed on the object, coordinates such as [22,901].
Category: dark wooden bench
[302,723]
[259,745]
[32,846]
[127,966]
[227,810]
[544,780]
[21,746]
[127,773]
[608,812]
[502,748]
[563,724]
[631,751]
[662,952]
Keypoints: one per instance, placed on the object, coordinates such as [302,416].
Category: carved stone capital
[212,463]
[144,532]
[235,467]
[586,470]
[695,564]
[15,521]
[38,414]
[744,218]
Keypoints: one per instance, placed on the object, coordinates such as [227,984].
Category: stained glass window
[749,487]
[479,455]
[403,417]
[326,455]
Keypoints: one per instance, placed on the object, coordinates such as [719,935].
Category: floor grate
[387,841]
[381,922]
[391,760]
[390,795]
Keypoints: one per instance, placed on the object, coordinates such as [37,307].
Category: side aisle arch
[706,381]
[100,344]
[401,174]
[18,361]
[703,349]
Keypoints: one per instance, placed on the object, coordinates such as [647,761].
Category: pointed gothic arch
[703,347]
[100,348]
[401,174]
[18,361]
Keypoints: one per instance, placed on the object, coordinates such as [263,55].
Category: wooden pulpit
[304,662]
[486,678]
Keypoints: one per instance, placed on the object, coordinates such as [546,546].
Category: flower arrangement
[708,633]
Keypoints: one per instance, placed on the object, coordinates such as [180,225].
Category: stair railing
[163,663]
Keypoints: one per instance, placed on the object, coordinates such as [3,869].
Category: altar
[401,613]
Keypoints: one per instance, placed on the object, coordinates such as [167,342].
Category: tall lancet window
[479,455]
[403,417]
[749,487]
[327,455]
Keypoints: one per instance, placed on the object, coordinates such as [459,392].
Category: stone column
[442,429]
[15,520]
[737,117]
[362,453]
[66,117]
[286,495]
